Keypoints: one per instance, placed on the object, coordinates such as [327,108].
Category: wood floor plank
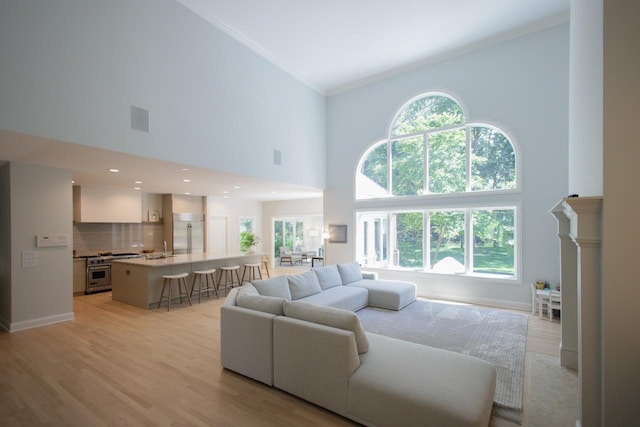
[121,365]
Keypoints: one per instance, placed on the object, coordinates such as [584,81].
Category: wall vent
[277,157]
[139,119]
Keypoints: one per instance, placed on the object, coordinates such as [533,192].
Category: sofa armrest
[246,342]
[314,362]
[371,275]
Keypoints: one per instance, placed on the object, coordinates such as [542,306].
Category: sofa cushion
[348,297]
[248,297]
[329,316]
[274,287]
[328,276]
[349,272]
[303,285]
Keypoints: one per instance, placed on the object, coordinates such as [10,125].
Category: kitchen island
[138,281]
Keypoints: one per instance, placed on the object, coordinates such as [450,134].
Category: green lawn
[487,259]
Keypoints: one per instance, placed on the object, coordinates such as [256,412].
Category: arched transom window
[432,150]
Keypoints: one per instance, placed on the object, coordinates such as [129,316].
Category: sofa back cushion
[328,276]
[274,287]
[349,273]
[248,297]
[303,285]
[329,316]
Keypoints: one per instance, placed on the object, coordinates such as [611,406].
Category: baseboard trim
[513,305]
[568,358]
[41,321]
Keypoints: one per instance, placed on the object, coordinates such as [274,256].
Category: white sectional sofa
[311,344]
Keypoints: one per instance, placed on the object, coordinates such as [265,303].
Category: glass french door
[287,232]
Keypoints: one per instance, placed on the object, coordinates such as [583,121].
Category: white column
[569,290]
[584,215]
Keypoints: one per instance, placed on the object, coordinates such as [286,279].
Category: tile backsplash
[89,238]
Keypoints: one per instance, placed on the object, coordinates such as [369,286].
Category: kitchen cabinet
[79,275]
[106,204]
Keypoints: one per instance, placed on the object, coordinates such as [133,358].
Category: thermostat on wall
[49,240]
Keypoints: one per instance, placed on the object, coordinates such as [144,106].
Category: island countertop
[186,259]
[139,282]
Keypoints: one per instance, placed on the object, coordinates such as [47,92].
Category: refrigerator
[188,233]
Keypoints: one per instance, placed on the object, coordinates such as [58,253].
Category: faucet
[165,249]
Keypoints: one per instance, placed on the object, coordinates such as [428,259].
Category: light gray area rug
[553,393]
[498,337]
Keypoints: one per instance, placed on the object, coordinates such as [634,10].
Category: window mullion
[468,231]
[468,163]
[426,241]
[425,178]
[389,168]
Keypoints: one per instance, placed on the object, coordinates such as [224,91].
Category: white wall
[235,209]
[585,94]
[72,69]
[521,86]
[5,245]
[620,292]
[40,203]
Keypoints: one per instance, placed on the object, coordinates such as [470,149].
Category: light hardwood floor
[121,365]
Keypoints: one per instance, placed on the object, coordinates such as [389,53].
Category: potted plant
[248,241]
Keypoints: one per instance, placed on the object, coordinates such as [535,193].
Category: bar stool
[252,269]
[226,273]
[205,275]
[180,278]
[265,265]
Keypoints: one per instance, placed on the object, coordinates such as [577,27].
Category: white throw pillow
[329,316]
[349,272]
[246,289]
[248,297]
[304,285]
[274,287]
[328,276]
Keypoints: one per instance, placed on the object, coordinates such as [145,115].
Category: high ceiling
[331,46]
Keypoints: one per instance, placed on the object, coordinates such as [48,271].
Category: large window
[460,182]
[474,241]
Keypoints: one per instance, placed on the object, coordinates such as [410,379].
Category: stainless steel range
[99,271]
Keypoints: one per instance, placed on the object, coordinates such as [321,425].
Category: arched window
[454,171]
[432,150]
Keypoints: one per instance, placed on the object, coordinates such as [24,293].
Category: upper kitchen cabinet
[105,204]
[182,203]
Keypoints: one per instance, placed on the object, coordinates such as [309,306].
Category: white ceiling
[330,45]
[333,45]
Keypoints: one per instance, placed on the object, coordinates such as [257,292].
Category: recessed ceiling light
[114,170]
[137,182]
[237,187]
[225,197]
[187,193]
[185,169]
[225,192]
[274,192]
[186,180]
[137,188]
